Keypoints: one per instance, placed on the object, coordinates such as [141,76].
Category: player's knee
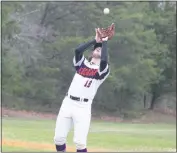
[59,140]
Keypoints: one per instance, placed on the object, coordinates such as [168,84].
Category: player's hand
[102,36]
[105,39]
[98,36]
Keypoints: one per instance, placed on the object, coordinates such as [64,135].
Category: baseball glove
[107,32]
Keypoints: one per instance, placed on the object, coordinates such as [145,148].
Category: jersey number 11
[88,83]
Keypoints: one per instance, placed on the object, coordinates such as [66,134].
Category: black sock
[83,150]
[61,148]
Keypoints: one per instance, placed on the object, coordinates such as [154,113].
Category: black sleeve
[104,56]
[81,48]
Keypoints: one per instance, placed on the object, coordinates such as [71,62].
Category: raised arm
[104,55]
[81,48]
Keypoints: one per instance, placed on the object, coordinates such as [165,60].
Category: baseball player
[76,106]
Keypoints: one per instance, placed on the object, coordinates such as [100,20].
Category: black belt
[77,98]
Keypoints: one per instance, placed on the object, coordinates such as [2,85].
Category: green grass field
[37,135]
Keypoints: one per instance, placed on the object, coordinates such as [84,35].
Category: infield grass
[17,134]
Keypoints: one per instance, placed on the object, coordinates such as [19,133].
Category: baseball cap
[97,45]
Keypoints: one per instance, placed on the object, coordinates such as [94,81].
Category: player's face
[97,53]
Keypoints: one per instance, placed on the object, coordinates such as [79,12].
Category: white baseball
[106,10]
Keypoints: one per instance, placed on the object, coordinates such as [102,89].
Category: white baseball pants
[73,113]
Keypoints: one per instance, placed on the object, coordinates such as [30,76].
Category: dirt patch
[23,144]
[26,114]
[157,116]
[34,145]
[148,117]
[51,147]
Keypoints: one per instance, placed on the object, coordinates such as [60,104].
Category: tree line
[38,42]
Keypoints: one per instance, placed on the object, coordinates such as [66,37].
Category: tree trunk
[153,100]
[144,101]
[45,14]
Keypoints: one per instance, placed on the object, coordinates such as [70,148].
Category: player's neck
[95,61]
